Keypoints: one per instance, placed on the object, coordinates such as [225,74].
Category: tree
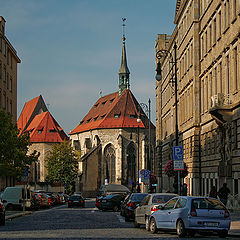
[62,165]
[14,157]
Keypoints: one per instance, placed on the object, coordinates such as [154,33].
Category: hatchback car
[110,202]
[130,203]
[76,200]
[148,205]
[188,214]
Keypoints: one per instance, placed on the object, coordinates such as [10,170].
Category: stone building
[113,143]
[8,83]
[44,133]
[208,97]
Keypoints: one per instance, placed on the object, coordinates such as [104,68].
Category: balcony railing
[221,100]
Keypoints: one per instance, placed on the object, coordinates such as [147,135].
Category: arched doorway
[110,163]
[131,164]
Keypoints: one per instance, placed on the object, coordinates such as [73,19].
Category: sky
[70,50]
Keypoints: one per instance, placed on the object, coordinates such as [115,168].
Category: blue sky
[71,50]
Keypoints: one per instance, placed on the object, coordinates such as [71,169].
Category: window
[117,115]
[170,204]
[52,130]
[10,84]
[88,120]
[214,31]
[104,103]
[228,75]
[235,185]
[95,106]
[220,77]
[132,116]
[11,109]
[4,74]
[102,117]
[181,203]
[235,67]
[219,24]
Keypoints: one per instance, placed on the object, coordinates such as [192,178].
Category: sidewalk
[235,224]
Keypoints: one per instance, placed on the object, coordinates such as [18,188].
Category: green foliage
[62,165]
[13,148]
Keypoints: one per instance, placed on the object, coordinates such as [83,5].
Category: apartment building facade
[208,98]
[8,83]
[8,73]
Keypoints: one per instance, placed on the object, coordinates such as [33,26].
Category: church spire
[123,71]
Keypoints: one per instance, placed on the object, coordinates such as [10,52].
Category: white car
[188,215]
[148,205]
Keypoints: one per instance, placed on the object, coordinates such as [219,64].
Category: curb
[16,215]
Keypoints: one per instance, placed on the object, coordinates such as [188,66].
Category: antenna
[123,25]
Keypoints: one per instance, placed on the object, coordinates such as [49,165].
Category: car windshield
[207,203]
[138,197]
[75,198]
[162,198]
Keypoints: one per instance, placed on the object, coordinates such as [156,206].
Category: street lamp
[173,69]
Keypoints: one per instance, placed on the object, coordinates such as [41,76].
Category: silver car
[150,204]
[188,215]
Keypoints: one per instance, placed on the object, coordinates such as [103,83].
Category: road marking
[120,218]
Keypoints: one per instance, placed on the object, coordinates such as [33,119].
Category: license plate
[104,200]
[75,201]
[211,224]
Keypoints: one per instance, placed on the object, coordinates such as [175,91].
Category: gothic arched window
[109,163]
[131,164]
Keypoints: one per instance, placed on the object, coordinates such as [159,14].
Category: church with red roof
[114,139]
[44,133]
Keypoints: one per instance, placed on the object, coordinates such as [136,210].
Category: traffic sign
[178,153]
[144,173]
[178,165]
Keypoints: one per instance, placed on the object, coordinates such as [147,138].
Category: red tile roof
[44,128]
[113,111]
[30,109]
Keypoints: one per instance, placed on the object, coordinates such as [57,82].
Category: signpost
[145,176]
[178,163]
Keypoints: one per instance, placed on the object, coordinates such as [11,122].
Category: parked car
[2,213]
[188,214]
[110,202]
[17,197]
[130,203]
[98,199]
[111,189]
[148,205]
[43,200]
[76,200]
[35,201]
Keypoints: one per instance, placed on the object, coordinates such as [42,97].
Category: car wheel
[136,224]
[223,233]
[115,208]
[181,231]
[153,226]
[147,224]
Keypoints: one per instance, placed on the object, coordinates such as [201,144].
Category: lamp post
[147,109]
[138,162]
[173,70]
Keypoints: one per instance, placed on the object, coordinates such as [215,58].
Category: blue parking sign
[177,153]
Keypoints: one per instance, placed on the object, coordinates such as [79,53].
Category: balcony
[221,108]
